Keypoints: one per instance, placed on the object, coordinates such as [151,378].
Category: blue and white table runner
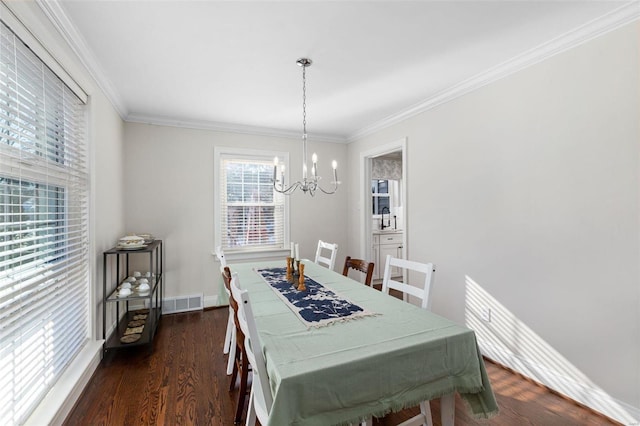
[317,306]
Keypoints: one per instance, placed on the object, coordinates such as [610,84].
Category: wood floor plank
[183,381]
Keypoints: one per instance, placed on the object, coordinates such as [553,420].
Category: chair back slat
[226,279]
[321,259]
[359,265]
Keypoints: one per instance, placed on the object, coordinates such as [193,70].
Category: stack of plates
[131,242]
[148,238]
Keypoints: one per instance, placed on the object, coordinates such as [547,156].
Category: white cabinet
[384,244]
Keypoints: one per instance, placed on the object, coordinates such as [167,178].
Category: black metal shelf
[152,300]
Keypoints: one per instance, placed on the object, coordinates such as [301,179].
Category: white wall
[169,175]
[524,194]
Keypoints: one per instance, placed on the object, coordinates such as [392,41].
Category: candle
[292,252]
[275,168]
[314,169]
[282,175]
[334,164]
[297,252]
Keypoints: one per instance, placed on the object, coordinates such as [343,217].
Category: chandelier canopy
[308,184]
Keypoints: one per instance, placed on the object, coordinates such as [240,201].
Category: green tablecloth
[370,366]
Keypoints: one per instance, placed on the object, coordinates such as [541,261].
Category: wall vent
[172,305]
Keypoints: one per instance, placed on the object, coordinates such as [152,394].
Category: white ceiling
[233,63]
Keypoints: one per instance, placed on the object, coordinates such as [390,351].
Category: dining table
[372,354]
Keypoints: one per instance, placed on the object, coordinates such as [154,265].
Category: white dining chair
[220,256]
[422,292]
[260,399]
[229,342]
[230,335]
[330,261]
[241,360]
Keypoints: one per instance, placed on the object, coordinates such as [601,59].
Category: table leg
[447,409]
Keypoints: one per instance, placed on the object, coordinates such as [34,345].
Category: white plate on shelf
[131,247]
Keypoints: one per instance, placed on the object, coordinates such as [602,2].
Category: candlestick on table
[289,271]
[301,286]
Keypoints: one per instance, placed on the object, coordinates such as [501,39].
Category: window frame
[376,196]
[222,152]
[63,277]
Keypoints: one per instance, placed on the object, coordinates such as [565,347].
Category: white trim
[219,151]
[210,302]
[583,392]
[61,398]
[56,15]
[365,191]
[230,128]
[245,256]
[623,15]
[595,28]
[11,19]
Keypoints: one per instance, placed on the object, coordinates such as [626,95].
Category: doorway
[383,196]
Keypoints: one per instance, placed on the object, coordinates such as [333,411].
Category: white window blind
[251,212]
[44,263]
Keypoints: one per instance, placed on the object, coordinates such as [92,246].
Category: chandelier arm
[335,188]
[287,190]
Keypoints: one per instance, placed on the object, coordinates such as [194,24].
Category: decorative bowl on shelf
[131,242]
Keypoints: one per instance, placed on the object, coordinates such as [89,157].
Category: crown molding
[230,128]
[615,19]
[56,14]
[621,16]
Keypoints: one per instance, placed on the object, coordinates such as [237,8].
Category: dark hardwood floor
[183,382]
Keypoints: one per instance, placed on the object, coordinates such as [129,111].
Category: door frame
[366,231]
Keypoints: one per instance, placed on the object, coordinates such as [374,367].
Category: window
[251,214]
[381,195]
[44,259]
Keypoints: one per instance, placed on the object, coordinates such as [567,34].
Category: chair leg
[235,361]
[425,409]
[448,409]
[424,418]
[251,413]
[242,392]
[227,337]
[232,352]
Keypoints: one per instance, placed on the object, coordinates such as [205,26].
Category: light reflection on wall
[507,340]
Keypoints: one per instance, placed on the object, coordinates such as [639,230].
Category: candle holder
[301,286]
[293,270]
[289,269]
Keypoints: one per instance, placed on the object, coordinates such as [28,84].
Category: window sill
[240,256]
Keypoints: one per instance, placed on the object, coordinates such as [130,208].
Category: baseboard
[584,393]
[211,301]
[59,401]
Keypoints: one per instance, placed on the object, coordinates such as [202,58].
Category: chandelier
[308,184]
